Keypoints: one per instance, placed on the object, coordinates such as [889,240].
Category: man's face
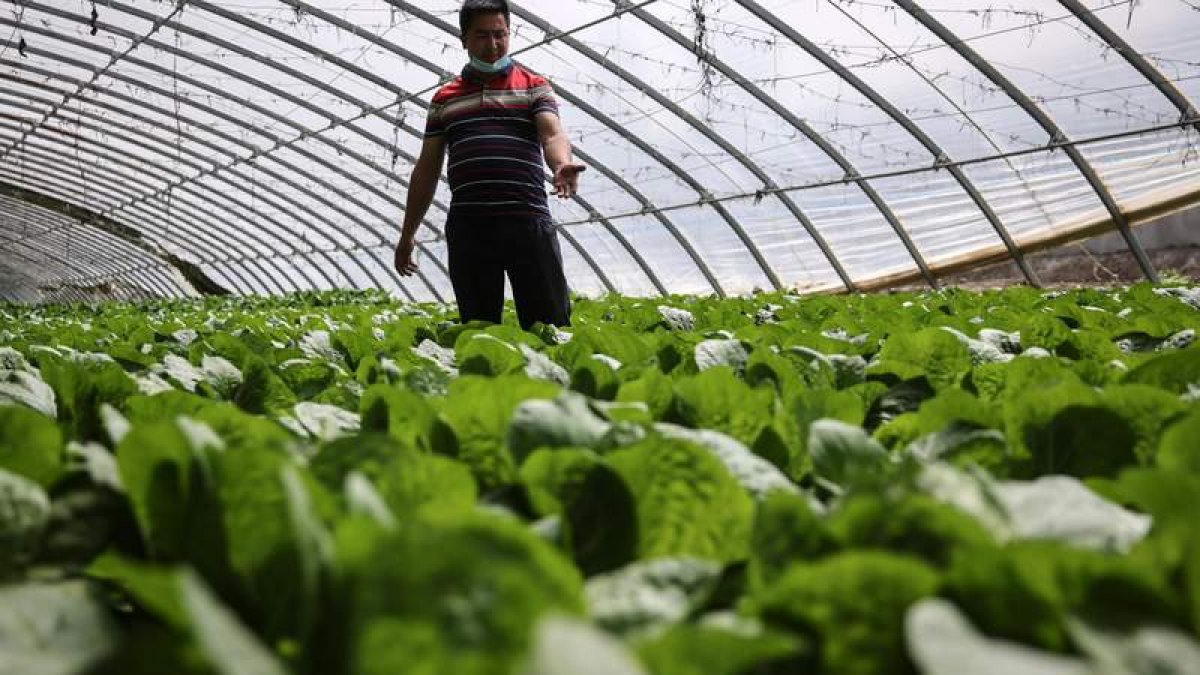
[487,37]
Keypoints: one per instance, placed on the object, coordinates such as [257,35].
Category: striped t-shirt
[495,160]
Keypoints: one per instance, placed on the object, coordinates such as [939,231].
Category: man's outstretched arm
[556,146]
[421,188]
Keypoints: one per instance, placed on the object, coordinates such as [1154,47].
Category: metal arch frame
[287,39]
[70,272]
[646,205]
[190,31]
[435,69]
[682,114]
[23,141]
[255,151]
[135,277]
[224,136]
[66,272]
[304,133]
[641,145]
[70,182]
[1057,137]
[705,130]
[100,230]
[172,211]
[939,155]
[54,192]
[108,154]
[106,277]
[121,294]
[138,143]
[91,239]
[941,91]
[1187,111]
[49,183]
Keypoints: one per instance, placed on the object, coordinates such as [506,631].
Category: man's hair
[474,8]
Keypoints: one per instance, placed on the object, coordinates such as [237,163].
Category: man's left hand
[566,180]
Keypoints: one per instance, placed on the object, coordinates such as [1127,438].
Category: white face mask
[485,67]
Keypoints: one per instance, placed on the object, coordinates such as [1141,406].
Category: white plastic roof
[733,144]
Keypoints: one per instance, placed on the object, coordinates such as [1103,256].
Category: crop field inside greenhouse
[599,337]
[943,482]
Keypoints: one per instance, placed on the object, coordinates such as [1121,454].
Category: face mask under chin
[485,67]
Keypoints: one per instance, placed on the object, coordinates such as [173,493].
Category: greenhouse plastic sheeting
[820,145]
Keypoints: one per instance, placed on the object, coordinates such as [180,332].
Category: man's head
[484,26]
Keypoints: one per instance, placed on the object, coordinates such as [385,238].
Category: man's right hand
[405,264]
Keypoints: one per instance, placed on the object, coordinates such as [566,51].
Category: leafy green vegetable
[50,628]
[688,504]
[852,605]
[30,445]
[470,608]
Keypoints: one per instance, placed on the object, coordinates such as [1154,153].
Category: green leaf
[554,476]
[565,646]
[1083,441]
[853,605]
[272,537]
[155,462]
[619,342]
[787,529]
[1172,371]
[1045,331]
[1178,449]
[844,454]
[81,388]
[716,399]
[758,476]
[596,379]
[483,354]
[602,520]
[262,391]
[464,593]
[26,388]
[932,353]
[53,629]
[415,481]
[24,514]
[473,424]
[31,445]
[645,596]
[915,525]
[688,503]
[227,645]
[1144,650]
[567,420]
[305,378]
[685,649]
[403,414]
[1147,411]
[653,388]
[943,642]
[964,446]
[1026,590]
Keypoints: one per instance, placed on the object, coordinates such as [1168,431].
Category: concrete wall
[1180,229]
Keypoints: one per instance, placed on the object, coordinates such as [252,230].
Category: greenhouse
[733,145]
[879,353]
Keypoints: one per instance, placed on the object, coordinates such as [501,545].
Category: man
[496,120]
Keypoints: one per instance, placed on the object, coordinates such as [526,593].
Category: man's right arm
[421,188]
